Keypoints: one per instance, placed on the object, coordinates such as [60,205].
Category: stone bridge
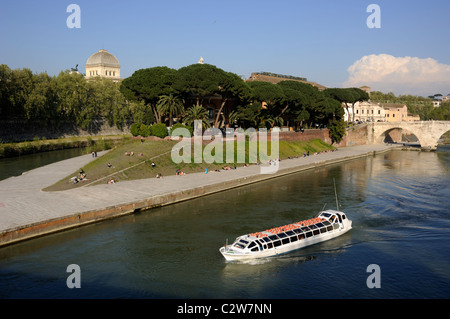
[427,132]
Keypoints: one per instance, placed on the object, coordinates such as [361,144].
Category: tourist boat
[280,240]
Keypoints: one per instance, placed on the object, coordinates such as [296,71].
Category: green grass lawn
[125,167]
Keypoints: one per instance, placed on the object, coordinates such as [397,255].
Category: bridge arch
[427,132]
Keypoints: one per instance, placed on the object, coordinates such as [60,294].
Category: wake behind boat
[280,240]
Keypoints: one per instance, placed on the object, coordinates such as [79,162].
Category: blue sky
[319,40]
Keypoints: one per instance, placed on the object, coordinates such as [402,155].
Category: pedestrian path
[26,210]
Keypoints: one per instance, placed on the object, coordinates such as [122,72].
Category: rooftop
[102,57]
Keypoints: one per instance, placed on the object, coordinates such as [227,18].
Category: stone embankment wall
[356,135]
[18,131]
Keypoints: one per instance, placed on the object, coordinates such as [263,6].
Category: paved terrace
[26,211]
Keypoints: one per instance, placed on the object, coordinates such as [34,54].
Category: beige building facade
[367,111]
[395,112]
[103,64]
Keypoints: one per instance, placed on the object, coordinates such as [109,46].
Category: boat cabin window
[323,230]
[340,220]
[343,216]
[243,242]
[277,243]
[290,233]
[336,226]
[316,231]
[269,245]
[252,245]
[239,245]
[266,239]
[326,223]
[319,225]
[309,234]
[285,241]
[329,228]
[305,229]
[294,238]
[297,230]
[273,237]
[255,249]
[326,215]
[281,235]
[313,226]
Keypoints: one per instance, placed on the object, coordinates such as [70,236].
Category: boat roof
[299,224]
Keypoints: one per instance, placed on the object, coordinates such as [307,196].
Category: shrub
[144,130]
[134,129]
[179,125]
[159,130]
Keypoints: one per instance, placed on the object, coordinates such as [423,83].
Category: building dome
[103,57]
[103,64]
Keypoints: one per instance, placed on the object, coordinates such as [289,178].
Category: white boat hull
[232,253]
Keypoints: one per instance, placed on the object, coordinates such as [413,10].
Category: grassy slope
[137,167]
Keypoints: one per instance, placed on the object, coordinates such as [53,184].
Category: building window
[114,73]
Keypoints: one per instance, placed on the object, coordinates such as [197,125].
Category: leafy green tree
[336,130]
[140,112]
[72,96]
[232,87]
[148,85]
[271,99]
[294,98]
[42,101]
[6,109]
[302,115]
[20,89]
[194,113]
[170,104]
[197,81]
[107,102]
[200,81]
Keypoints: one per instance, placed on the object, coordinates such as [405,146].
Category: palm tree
[169,104]
[196,113]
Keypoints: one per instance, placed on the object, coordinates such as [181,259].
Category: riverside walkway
[26,211]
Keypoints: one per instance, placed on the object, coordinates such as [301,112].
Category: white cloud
[401,75]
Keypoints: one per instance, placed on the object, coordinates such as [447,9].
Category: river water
[15,166]
[398,202]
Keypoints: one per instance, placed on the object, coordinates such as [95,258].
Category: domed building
[103,64]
